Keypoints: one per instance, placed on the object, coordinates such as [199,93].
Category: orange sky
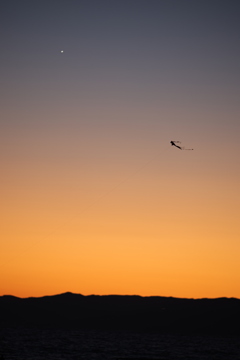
[94,200]
[162,223]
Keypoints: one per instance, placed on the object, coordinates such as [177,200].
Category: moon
[62,51]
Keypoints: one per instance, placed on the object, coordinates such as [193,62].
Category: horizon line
[120,295]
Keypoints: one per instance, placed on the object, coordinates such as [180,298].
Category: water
[36,344]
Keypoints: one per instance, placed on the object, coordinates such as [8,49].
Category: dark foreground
[66,344]
[71,326]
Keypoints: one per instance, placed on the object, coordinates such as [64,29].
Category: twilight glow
[94,199]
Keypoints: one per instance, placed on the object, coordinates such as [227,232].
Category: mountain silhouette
[127,313]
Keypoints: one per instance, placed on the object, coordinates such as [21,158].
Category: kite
[173,143]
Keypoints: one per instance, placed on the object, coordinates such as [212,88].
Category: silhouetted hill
[115,312]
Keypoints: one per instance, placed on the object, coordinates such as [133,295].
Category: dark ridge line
[71,294]
[123,313]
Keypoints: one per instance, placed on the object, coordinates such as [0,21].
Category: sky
[94,199]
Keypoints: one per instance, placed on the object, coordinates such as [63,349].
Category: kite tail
[183,148]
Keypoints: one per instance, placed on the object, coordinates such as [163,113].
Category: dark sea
[36,344]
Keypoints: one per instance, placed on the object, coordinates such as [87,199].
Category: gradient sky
[94,200]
